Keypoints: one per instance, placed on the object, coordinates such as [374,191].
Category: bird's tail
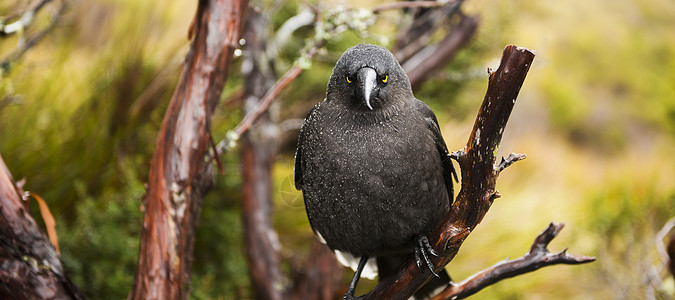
[387,265]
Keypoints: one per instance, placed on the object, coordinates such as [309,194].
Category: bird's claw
[422,247]
[349,295]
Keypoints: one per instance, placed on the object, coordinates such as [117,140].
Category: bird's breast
[372,187]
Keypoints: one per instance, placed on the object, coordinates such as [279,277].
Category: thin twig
[512,158]
[538,257]
[31,41]
[23,22]
[423,63]
[266,100]
[261,107]
[409,4]
[660,236]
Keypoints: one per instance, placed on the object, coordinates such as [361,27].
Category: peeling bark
[30,267]
[181,172]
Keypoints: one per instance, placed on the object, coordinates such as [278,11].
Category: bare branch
[429,59]
[271,95]
[410,4]
[25,20]
[512,158]
[667,258]
[180,173]
[479,176]
[31,267]
[416,36]
[538,257]
[432,58]
[20,25]
[305,18]
[261,107]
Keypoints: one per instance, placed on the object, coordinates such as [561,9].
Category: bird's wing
[298,153]
[432,124]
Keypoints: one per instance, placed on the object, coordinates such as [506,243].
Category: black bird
[373,167]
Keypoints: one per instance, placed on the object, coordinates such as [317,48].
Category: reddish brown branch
[479,175]
[265,102]
[537,258]
[180,173]
[30,267]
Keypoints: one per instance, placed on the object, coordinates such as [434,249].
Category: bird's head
[368,78]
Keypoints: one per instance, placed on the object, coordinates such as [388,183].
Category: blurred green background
[596,117]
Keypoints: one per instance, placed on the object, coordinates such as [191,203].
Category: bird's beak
[367,78]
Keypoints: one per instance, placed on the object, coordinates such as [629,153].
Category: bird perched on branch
[373,167]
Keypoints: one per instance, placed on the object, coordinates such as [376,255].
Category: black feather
[375,175]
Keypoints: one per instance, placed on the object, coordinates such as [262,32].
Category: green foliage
[625,218]
[100,248]
[219,264]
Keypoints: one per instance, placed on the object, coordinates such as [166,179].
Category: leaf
[50,223]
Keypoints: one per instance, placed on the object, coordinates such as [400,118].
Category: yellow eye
[385,78]
[349,80]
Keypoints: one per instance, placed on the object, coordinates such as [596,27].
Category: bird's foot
[349,295]
[422,250]
[352,297]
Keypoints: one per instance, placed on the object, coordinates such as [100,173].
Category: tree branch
[25,20]
[537,258]
[667,254]
[262,106]
[511,159]
[479,175]
[271,95]
[30,267]
[430,58]
[25,43]
[410,4]
[416,36]
[181,173]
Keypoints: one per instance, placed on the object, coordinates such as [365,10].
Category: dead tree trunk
[258,151]
[181,172]
[30,268]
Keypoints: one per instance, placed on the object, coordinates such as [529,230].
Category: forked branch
[537,258]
